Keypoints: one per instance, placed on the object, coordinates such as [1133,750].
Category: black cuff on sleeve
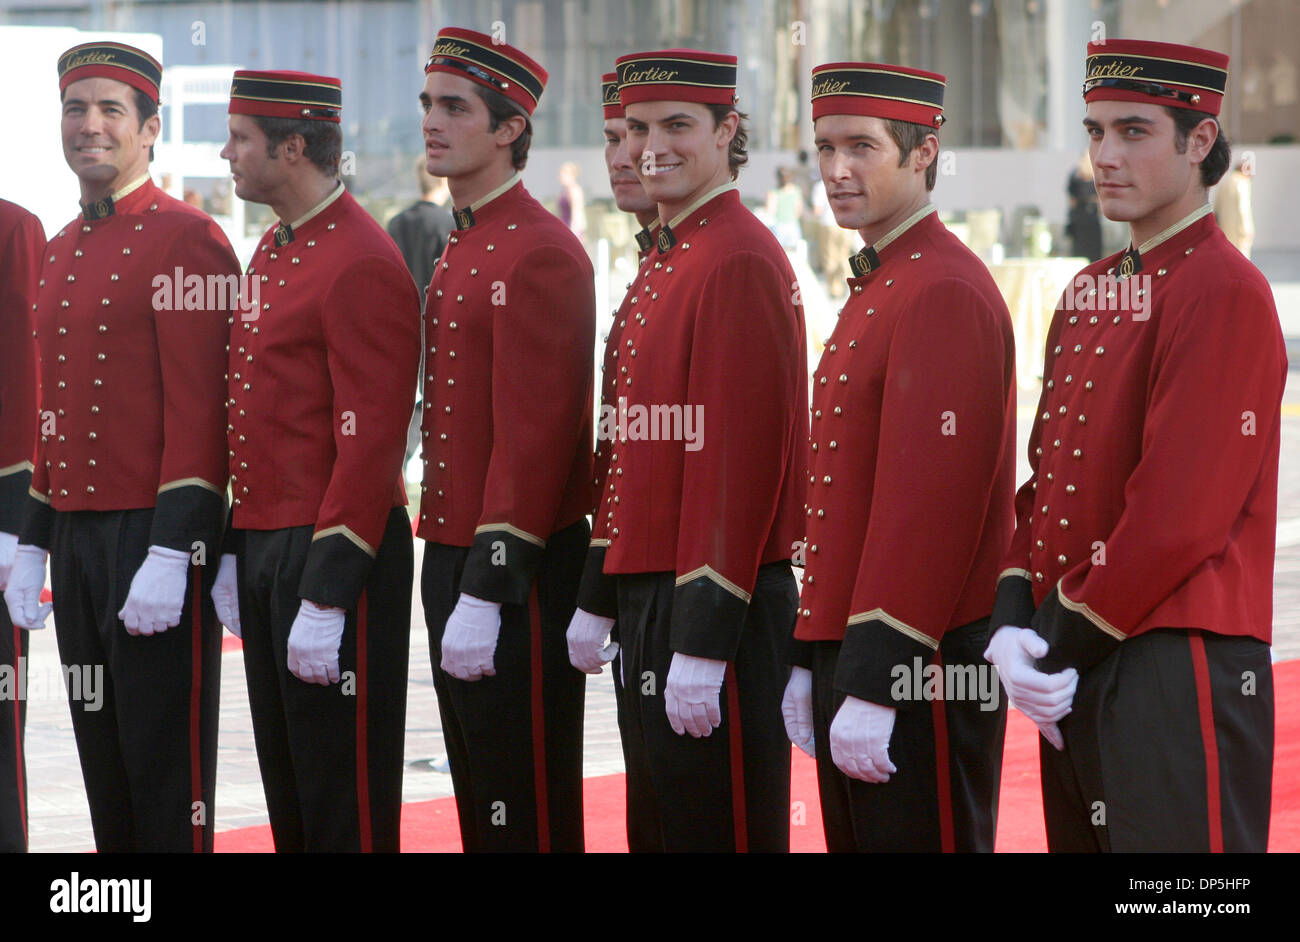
[870,660]
[707,620]
[598,592]
[187,515]
[799,653]
[1013,605]
[1073,641]
[500,567]
[38,518]
[231,541]
[335,572]
[13,497]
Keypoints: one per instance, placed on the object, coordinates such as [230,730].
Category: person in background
[572,203]
[1232,209]
[421,229]
[1083,221]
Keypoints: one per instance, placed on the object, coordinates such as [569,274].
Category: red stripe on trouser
[19,778]
[363,755]
[196,690]
[943,783]
[539,723]
[736,740]
[1205,708]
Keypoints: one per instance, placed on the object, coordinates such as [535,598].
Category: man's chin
[1119,210]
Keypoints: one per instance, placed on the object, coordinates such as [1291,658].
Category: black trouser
[948,752]
[1169,747]
[331,756]
[13,718]
[724,792]
[642,829]
[514,740]
[145,717]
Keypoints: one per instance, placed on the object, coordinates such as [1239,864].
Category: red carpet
[431,825]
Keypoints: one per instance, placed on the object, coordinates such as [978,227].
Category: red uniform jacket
[912,467]
[706,472]
[22,239]
[1153,499]
[609,379]
[322,384]
[509,325]
[131,324]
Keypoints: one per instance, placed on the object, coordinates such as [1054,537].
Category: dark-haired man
[910,485]
[318,566]
[1137,593]
[701,504]
[509,331]
[130,464]
[588,632]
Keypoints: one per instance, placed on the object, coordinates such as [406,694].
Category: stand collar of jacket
[867,260]
[110,205]
[466,218]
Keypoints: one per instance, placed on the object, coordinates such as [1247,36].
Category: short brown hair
[1218,160]
[500,108]
[737,153]
[909,137]
[322,140]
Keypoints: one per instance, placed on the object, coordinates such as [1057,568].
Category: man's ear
[510,129]
[1200,140]
[927,152]
[152,128]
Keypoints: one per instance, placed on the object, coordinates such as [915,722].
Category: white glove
[860,740]
[691,694]
[8,546]
[470,639]
[1044,698]
[23,593]
[587,635]
[225,594]
[157,592]
[314,641]
[796,709]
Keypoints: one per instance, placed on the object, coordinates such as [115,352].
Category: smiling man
[510,330]
[910,489]
[318,563]
[695,557]
[130,469]
[1143,554]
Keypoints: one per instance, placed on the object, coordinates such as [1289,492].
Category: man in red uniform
[909,491]
[509,330]
[1137,593]
[587,632]
[319,565]
[702,500]
[127,492]
[22,240]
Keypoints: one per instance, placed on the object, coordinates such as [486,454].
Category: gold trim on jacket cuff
[879,614]
[708,572]
[347,532]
